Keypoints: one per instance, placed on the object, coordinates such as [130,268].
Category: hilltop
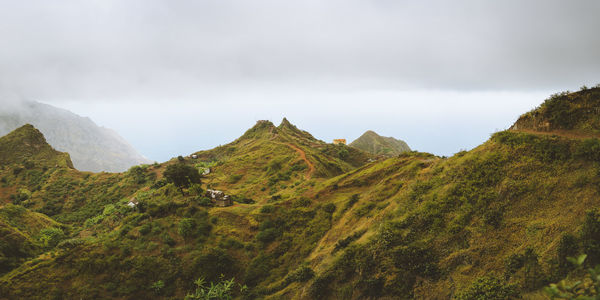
[311,222]
[380,145]
[92,148]
[27,146]
[269,159]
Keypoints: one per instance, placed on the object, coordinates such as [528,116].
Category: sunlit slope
[412,226]
[268,160]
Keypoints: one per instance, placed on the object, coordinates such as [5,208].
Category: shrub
[268,235]
[167,239]
[138,173]
[588,149]
[267,209]
[302,274]
[145,229]
[353,199]
[186,227]
[319,289]
[493,217]
[204,201]
[582,289]
[215,263]
[567,247]
[157,286]
[50,237]
[590,236]
[182,176]
[488,288]
[329,208]
[343,243]
[222,290]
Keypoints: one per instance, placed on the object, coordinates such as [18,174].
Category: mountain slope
[379,145]
[269,159]
[92,148]
[411,226]
[27,146]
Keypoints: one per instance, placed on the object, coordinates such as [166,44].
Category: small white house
[133,203]
[194,156]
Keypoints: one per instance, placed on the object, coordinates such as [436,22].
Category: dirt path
[311,167]
[562,133]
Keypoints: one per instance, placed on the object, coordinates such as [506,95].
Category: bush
[145,229]
[353,199]
[138,173]
[302,274]
[267,209]
[488,288]
[50,237]
[567,247]
[588,149]
[182,176]
[268,235]
[590,236]
[329,208]
[186,227]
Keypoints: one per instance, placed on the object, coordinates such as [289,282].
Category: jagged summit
[26,143]
[262,128]
[285,123]
[373,143]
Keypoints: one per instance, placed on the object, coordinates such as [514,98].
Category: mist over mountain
[376,144]
[92,148]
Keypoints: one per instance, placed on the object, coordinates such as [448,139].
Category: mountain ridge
[92,148]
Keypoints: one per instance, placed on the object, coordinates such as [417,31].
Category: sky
[174,77]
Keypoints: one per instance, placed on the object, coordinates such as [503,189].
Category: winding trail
[311,167]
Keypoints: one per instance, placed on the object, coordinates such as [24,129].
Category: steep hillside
[269,160]
[578,113]
[92,148]
[502,217]
[27,146]
[380,145]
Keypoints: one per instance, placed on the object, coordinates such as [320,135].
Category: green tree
[50,237]
[186,227]
[182,176]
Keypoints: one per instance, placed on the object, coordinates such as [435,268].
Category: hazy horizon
[177,77]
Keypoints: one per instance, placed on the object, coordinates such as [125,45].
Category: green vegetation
[308,221]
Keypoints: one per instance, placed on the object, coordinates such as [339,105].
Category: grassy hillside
[310,221]
[27,146]
[379,145]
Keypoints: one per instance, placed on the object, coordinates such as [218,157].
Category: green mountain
[92,148]
[380,145]
[311,220]
[27,146]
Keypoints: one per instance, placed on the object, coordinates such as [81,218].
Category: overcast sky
[173,77]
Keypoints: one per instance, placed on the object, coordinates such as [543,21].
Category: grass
[362,229]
